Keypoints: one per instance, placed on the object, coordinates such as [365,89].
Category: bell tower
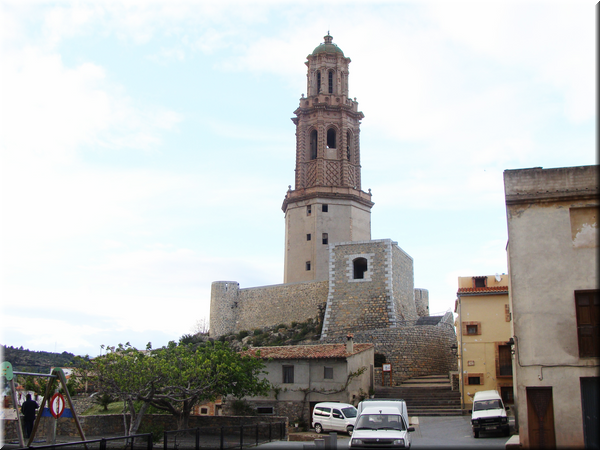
[327,204]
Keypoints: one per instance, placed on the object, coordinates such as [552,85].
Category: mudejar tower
[327,205]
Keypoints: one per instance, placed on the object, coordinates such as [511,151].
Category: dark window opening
[348,144]
[307,265]
[587,304]
[331,138]
[379,360]
[331,81]
[325,238]
[264,410]
[288,374]
[204,411]
[360,267]
[325,208]
[472,329]
[328,373]
[479,281]
[313,144]
[308,237]
[308,210]
[318,82]
[506,392]
[474,380]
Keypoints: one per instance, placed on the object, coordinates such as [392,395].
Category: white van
[488,413]
[329,416]
[397,403]
[381,426]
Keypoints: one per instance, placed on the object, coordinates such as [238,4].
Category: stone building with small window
[554,294]
[304,375]
[331,263]
[483,327]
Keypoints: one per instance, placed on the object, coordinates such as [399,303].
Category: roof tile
[320,351]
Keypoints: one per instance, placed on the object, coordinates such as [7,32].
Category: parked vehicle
[393,402]
[489,413]
[381,423]
[329,416]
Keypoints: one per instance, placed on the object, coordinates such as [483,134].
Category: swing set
[55,375]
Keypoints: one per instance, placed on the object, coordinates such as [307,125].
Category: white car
[329,416]
[488,413]
[381,427]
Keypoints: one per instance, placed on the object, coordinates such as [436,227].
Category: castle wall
[403,283]
[233,309]
[412,350]
[422,302]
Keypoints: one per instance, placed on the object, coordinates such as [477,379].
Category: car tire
[349,430]
[318,428]
[475,434]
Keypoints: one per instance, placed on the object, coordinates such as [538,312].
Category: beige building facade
[304,375]
[483,328]
[552,217]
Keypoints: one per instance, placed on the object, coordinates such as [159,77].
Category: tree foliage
[176,377]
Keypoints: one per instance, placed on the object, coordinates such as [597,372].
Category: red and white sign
[57,405]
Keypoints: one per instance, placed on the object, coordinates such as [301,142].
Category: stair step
[430,395]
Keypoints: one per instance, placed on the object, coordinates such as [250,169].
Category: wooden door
[540,415]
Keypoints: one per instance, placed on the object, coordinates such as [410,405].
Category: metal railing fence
[224,437]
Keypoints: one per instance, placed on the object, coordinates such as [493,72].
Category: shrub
[242,334]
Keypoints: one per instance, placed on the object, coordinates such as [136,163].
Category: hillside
[23,360]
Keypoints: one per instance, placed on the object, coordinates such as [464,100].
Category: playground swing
[56,374]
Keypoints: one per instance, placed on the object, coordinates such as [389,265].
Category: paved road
[452,432]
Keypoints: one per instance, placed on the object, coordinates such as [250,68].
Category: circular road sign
[57,405]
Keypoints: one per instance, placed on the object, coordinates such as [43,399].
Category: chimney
[350,343]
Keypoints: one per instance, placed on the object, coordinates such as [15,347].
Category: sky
[147,146]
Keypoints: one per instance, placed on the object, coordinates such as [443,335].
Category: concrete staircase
[425,396]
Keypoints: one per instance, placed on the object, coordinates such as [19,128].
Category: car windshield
[349,412]
[487,404]
[380,422]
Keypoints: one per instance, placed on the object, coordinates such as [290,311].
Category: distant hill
[35,362]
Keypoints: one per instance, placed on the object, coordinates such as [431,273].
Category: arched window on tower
[360,267]
[330,81]
[313,144]
[348,146]
[318,82]
[331,138]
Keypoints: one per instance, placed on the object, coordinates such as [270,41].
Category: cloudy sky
[147,146]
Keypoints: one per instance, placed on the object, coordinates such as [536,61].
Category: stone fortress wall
[382,308]
[233,309]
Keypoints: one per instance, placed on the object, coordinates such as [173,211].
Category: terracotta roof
[484,290]
[320,351]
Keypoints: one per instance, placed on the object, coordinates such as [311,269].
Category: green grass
[113,408]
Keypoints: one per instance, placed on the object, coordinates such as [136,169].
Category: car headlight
[475,422]
[504,419]
[356,442]
[398,442]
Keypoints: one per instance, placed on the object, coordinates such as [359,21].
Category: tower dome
[327,47]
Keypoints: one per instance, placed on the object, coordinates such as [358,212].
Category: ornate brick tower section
[327,205]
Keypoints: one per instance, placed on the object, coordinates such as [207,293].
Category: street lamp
[454,349]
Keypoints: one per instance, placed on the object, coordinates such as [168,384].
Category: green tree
[176,377]
[128,374]
[192,374]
